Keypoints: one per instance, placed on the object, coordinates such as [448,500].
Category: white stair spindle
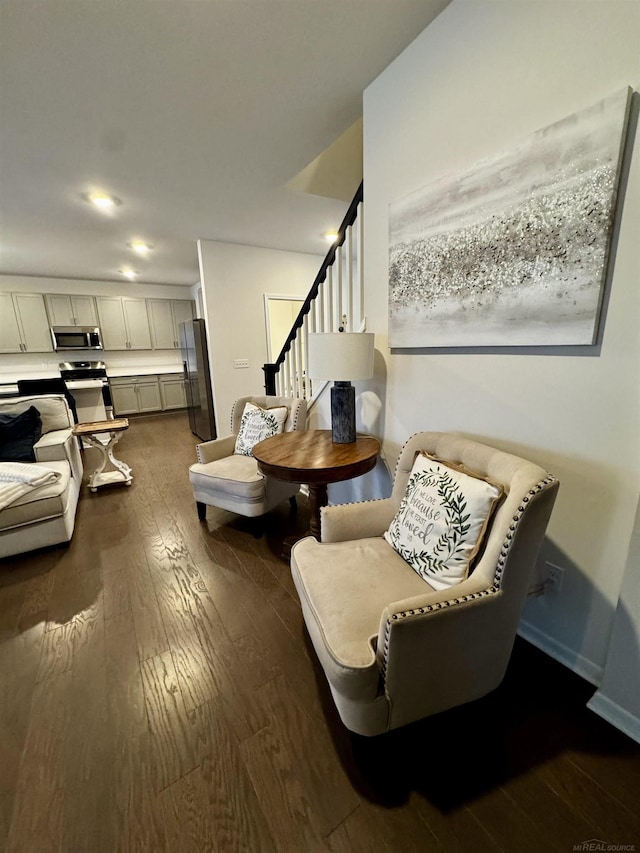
[351,320]
[299,383]
[339,311]
[360,271]
[294,369]
[287,374]
[322,299]
[309,320]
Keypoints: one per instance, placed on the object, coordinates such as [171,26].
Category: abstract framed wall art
[514,251]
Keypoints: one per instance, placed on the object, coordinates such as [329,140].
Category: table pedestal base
[312,457]
[318,497]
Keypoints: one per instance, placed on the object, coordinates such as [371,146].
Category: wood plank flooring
[158,693]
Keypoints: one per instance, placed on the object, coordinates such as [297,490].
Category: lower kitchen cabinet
[133,395]
[172,391]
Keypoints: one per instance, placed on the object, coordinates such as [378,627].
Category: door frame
[276,297]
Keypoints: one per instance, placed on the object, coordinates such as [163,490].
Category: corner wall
[476,81]
[234,281]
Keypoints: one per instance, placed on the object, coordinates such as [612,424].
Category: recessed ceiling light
[140,247]
[331,236]
[103,201]
[129,273]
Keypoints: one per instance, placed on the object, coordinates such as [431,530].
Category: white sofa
[45,515]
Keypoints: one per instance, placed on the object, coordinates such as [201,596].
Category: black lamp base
[343,413]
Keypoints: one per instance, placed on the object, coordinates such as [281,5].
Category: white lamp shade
[341,356]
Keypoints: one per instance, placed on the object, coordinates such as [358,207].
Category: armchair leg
[202,510]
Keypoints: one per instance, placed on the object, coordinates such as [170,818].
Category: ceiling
[196,114]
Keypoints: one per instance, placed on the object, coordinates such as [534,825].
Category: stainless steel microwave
[76,338]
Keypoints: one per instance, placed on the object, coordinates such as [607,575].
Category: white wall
[36,362]
[234,280]
[618,699]
[481,77]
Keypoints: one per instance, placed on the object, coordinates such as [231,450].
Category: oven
[87,381]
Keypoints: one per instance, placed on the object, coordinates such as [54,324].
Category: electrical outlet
[554,577]
[240,362]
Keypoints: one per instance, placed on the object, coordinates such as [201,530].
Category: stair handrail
[270,370]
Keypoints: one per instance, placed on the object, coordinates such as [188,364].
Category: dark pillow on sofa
[18,434]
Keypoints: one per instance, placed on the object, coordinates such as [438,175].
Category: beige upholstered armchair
[393,648]
[231,480]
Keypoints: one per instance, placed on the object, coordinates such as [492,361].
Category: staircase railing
[337,293]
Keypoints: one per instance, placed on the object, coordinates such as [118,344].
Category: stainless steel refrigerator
[197,382]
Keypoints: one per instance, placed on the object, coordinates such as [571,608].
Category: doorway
[280,313]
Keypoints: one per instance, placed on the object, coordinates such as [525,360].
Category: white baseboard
[576,662]
[615,714]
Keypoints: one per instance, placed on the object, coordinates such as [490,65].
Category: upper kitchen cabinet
[24,326]
[66,310]
[165,316]
[124,322]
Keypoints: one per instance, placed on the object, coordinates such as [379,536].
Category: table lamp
[348,355]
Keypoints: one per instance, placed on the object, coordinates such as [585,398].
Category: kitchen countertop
[12,378]
[155,370]
[9,381]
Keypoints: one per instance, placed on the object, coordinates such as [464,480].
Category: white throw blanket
[18,478]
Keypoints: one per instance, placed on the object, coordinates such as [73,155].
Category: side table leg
[118,463]
[318,498]
[94,479]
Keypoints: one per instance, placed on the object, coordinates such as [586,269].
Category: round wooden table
[311,457]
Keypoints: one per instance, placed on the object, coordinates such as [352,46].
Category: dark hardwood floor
[158,693]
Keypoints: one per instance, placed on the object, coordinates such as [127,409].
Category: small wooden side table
[311,457]
[122,473]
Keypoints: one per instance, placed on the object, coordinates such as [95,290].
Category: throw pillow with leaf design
[257,424]
[441,520]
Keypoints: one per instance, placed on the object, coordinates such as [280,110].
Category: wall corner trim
[582,666]
[615,714]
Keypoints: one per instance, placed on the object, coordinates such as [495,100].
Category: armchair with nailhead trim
[231,481]
[393,648]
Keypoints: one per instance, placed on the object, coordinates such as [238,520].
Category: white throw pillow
[257,424]
[441,520]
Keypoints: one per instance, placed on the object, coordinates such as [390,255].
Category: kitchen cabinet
[165,316]
[24,326]
[172,391]
[132,395]
[66,310]
[124,322]
[124,398]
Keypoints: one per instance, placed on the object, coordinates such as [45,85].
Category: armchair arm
[445,648]
[209,451]
[361,520]
[445,656]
